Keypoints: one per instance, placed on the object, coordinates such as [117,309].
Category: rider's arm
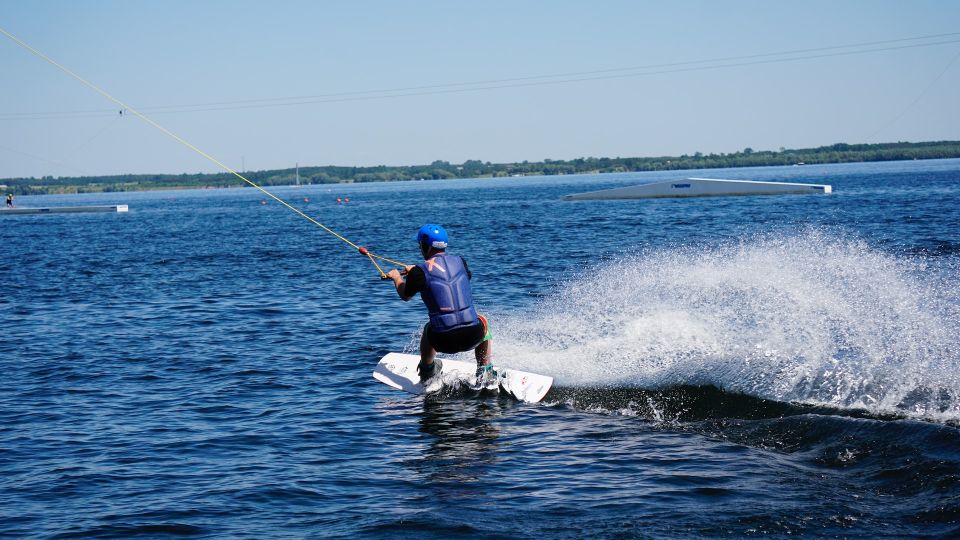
[407,288]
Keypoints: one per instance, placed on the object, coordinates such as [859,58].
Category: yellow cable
[176,137]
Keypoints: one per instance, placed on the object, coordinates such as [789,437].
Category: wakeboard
[399,371]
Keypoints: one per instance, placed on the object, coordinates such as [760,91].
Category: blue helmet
[432,235]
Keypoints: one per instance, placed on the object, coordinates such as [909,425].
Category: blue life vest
[447,295]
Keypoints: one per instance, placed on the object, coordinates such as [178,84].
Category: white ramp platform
[63,210]
[700,187]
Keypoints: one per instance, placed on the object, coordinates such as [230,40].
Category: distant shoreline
[440,170]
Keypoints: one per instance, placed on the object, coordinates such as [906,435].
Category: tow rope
[124,107]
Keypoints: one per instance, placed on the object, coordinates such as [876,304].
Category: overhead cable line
[917,99]
[518,82]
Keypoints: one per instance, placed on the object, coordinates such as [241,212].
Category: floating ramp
[699,187]
[64,210]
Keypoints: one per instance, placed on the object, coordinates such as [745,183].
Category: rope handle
[384,277]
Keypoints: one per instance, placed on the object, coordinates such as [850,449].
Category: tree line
[439,170]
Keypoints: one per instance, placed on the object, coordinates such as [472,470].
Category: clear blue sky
[573,80]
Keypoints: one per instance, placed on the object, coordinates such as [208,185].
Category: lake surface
[740,366]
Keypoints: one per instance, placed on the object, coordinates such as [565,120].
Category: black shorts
[456,340]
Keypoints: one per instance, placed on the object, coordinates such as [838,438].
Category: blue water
[771,366]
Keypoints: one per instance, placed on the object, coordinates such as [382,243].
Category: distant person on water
[9,200]
[443,282]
